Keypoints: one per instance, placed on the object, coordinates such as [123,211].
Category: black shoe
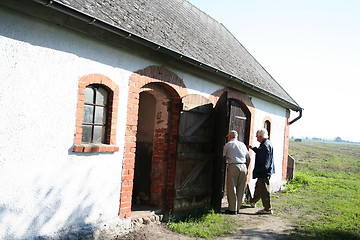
[230,212]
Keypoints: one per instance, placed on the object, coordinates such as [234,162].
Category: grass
[204,225]
[323,199]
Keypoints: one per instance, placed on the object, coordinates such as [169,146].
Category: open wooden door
[239,120]
[194,166]
[220,131]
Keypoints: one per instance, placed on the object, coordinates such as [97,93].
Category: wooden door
[194,166]
[239,120]
[220,131]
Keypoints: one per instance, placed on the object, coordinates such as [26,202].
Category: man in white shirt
[237,159]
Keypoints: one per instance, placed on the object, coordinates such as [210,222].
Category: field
[323,200]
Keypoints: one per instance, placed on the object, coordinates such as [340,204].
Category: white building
[111,106]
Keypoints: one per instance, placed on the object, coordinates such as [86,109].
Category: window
[267,126]
[94,125]
[96,114]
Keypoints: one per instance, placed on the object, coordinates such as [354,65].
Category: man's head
[232,134]
[262,134]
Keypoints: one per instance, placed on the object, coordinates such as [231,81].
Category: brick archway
[175,89]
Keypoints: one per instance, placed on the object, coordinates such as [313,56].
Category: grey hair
[263,133]
[233,134]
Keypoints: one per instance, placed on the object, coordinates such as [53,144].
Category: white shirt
[235,152]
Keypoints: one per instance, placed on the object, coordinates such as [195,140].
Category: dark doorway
[229,115]
[152,184]
[144,148]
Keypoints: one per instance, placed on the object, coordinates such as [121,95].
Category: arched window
[96,115]
[267,126]
[94,124]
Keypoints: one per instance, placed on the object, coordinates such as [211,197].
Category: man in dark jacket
[264,168]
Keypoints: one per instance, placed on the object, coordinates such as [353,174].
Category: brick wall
[165,136]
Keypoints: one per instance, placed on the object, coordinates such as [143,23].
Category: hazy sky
[312,48]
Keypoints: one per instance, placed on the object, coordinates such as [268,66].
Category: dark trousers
[262,191]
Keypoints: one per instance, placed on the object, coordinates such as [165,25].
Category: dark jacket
[264,162]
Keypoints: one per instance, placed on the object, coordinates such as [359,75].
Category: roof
[182,28]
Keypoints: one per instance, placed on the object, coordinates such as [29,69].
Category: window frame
[267,125]
[93,123]
[109,142]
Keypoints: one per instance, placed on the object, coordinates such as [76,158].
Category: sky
[311,48]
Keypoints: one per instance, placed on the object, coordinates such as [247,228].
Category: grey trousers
[236,181]
[262,191]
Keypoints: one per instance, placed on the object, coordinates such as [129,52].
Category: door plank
[190,131]
[193,180]
[220,132]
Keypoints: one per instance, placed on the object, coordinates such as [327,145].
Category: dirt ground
[252,227]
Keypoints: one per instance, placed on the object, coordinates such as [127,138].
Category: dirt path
[253,227]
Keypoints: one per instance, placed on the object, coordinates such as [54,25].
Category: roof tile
[183,28]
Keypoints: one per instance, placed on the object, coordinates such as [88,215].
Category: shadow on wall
[60,211]
[47,36]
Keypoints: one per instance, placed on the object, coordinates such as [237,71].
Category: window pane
[99,115]
[88,114]
[101,96]
[99,134]
[89,95]
[86,134]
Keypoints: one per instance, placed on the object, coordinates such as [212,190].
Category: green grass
[323,199]
[207,225]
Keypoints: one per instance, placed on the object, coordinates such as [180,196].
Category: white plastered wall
[45,187]
[277,115]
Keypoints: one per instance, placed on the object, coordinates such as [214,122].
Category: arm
[225,150]
[247,160]
[255,149]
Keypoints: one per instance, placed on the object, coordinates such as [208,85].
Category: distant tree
[338,139]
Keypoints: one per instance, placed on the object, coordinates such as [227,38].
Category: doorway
[141,197]
[239,120]
[154,155]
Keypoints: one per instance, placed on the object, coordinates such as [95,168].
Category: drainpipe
[297,118]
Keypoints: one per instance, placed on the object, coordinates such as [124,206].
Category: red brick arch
[112,117]
[176,88]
